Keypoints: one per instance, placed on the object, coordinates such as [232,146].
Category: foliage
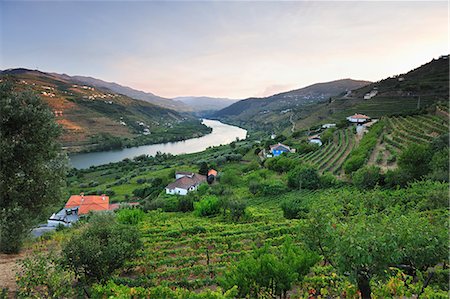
[41,276]
[237,208]
[130,216]
[112,290]
[104,246]
[327,135]
[364,234]
[303,177]
[185,203]
[208,206]
[280,164]
[203,168]
[32,168]
[439,166]
[414,160]
[358,156]
[270,272]
[367,177]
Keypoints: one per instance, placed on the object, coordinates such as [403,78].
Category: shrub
[414,160]
[367,177]
[101,248]
[237,208]
[327,180]
[303,177]
[130,216]
[294,209]
[110,192]
[140,181]
[185,204]
[230,177]
[254,187]
[41,276]
[280,164]
[208,206]
[273,188]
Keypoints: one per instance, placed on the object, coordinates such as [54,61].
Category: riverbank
[221,134]
[106,141]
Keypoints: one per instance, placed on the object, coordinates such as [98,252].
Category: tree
[203,168]
[32,170]
[269,272]
[414,160]
[100,249]
[303,177]
[367,177]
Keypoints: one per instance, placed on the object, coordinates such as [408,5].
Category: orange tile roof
[212,172]
[88,203]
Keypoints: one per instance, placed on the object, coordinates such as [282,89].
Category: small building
[327,126]
[185,183]
[278,149]
[358,118]
[370,94]
[315,139]
[211,177]
[65,217]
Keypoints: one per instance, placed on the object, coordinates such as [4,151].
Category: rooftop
[88,203]
[187,182]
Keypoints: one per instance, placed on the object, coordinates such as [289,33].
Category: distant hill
[128,91]
[87,112]
[404,93]
[205,104]
[279,107]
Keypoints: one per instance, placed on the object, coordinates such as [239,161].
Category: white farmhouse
[185,182]
[358,118]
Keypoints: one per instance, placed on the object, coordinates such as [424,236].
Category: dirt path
[8,269]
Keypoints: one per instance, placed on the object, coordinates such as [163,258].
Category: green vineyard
[332,155]
[402,131]
[187,251]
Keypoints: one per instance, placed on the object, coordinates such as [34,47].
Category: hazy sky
[224,49]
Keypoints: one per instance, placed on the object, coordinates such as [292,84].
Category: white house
[327,126]
[370,94]
[315,139]
[358,118]
[185,182]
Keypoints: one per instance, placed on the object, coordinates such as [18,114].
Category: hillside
[404,93]
[204,105]
[97,118]
[278,108]
[125,90]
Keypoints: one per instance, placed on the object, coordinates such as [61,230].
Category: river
[221,134]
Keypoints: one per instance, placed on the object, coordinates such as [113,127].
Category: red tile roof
[87,203]
[360,116]
[212,172]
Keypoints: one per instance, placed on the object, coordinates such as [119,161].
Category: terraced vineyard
[404,130]
[331,155]
[188,251]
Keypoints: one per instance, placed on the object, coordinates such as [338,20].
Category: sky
[231,49]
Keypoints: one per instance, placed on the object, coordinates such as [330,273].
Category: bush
[303,177]
[104,246]
[208,206]
[130,216]
[237,208]
[41,276]
[294,209]
[280,164]
[140,181]
[110,192]
[327,180]
[273,188]
[230,177]
[185,204]
[254,187]
[414,160]
[367,177]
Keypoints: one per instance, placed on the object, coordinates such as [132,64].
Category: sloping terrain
[405,93]
[87,113]
[127,91]
[205,105]
[279,107]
